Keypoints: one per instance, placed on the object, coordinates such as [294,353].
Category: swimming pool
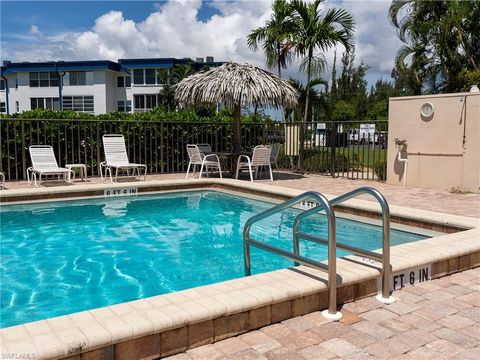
[68,256]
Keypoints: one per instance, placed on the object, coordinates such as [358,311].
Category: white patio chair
[2,182]
[196,157]
[116,158]
[45,163]
[260,158]
[205,149]
[274,156]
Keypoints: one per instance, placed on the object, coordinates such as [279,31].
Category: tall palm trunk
[301,149]
[279,65]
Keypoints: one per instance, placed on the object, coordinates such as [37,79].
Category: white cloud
[376,39]
[34,30]
[173,29]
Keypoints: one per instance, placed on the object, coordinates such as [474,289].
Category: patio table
[81,167]
[232,158]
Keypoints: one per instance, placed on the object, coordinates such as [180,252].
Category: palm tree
[314,32]
[314,94]
[164,76]
[441,41]
[273,36]
[180,72]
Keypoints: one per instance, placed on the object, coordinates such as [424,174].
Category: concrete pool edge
[170,323]
[445,222]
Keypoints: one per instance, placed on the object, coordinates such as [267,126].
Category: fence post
[301,147]
[24,165]
[162,168]
[334,149]
[98,147]
[1,144]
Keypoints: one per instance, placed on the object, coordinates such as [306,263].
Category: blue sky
[54,16]
[83,30]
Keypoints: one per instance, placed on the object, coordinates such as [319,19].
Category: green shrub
[316,163]
[200,114]
[323,163]
[380,168]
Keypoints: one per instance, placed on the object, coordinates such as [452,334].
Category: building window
[145,102]
[148,76]
[78,78]
[17,107]
[78,103]
[138,77]
[3,109]
[123,81]
[44,103]
[2,84]
[124,106]
[43,79]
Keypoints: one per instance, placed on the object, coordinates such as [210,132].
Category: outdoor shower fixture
[401,145]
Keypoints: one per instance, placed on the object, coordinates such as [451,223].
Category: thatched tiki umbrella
[236,85]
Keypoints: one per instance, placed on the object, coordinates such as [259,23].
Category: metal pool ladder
[327,206]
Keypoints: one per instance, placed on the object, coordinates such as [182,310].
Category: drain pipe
[399,144]
[7,90]
[60,75]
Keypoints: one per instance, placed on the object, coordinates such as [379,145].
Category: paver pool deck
[435,320]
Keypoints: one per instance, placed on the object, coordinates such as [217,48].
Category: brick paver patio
[426,199]
[435,320]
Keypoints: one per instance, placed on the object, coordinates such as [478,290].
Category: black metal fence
[347,149]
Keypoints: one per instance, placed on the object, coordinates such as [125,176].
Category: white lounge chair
[207,161]
[2,182]
[44,163]
[260,158]
[116,157]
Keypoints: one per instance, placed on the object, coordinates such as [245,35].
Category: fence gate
[353,149]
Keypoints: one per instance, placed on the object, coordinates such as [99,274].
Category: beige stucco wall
[437,155]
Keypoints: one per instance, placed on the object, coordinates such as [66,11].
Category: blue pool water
[68,256]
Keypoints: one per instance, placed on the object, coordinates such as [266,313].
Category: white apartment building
[97,87]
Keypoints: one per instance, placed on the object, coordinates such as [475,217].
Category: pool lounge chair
[260,158]
[44,163]
[2,181]
[116,158]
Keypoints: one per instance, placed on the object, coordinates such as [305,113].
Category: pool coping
[167,324]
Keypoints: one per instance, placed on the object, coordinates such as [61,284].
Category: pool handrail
[384,258]
[332,258]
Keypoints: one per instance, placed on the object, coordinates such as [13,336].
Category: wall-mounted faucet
[401,146]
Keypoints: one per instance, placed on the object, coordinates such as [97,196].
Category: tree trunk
[278,60]
[301,149]
[236,128]
[279,68]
